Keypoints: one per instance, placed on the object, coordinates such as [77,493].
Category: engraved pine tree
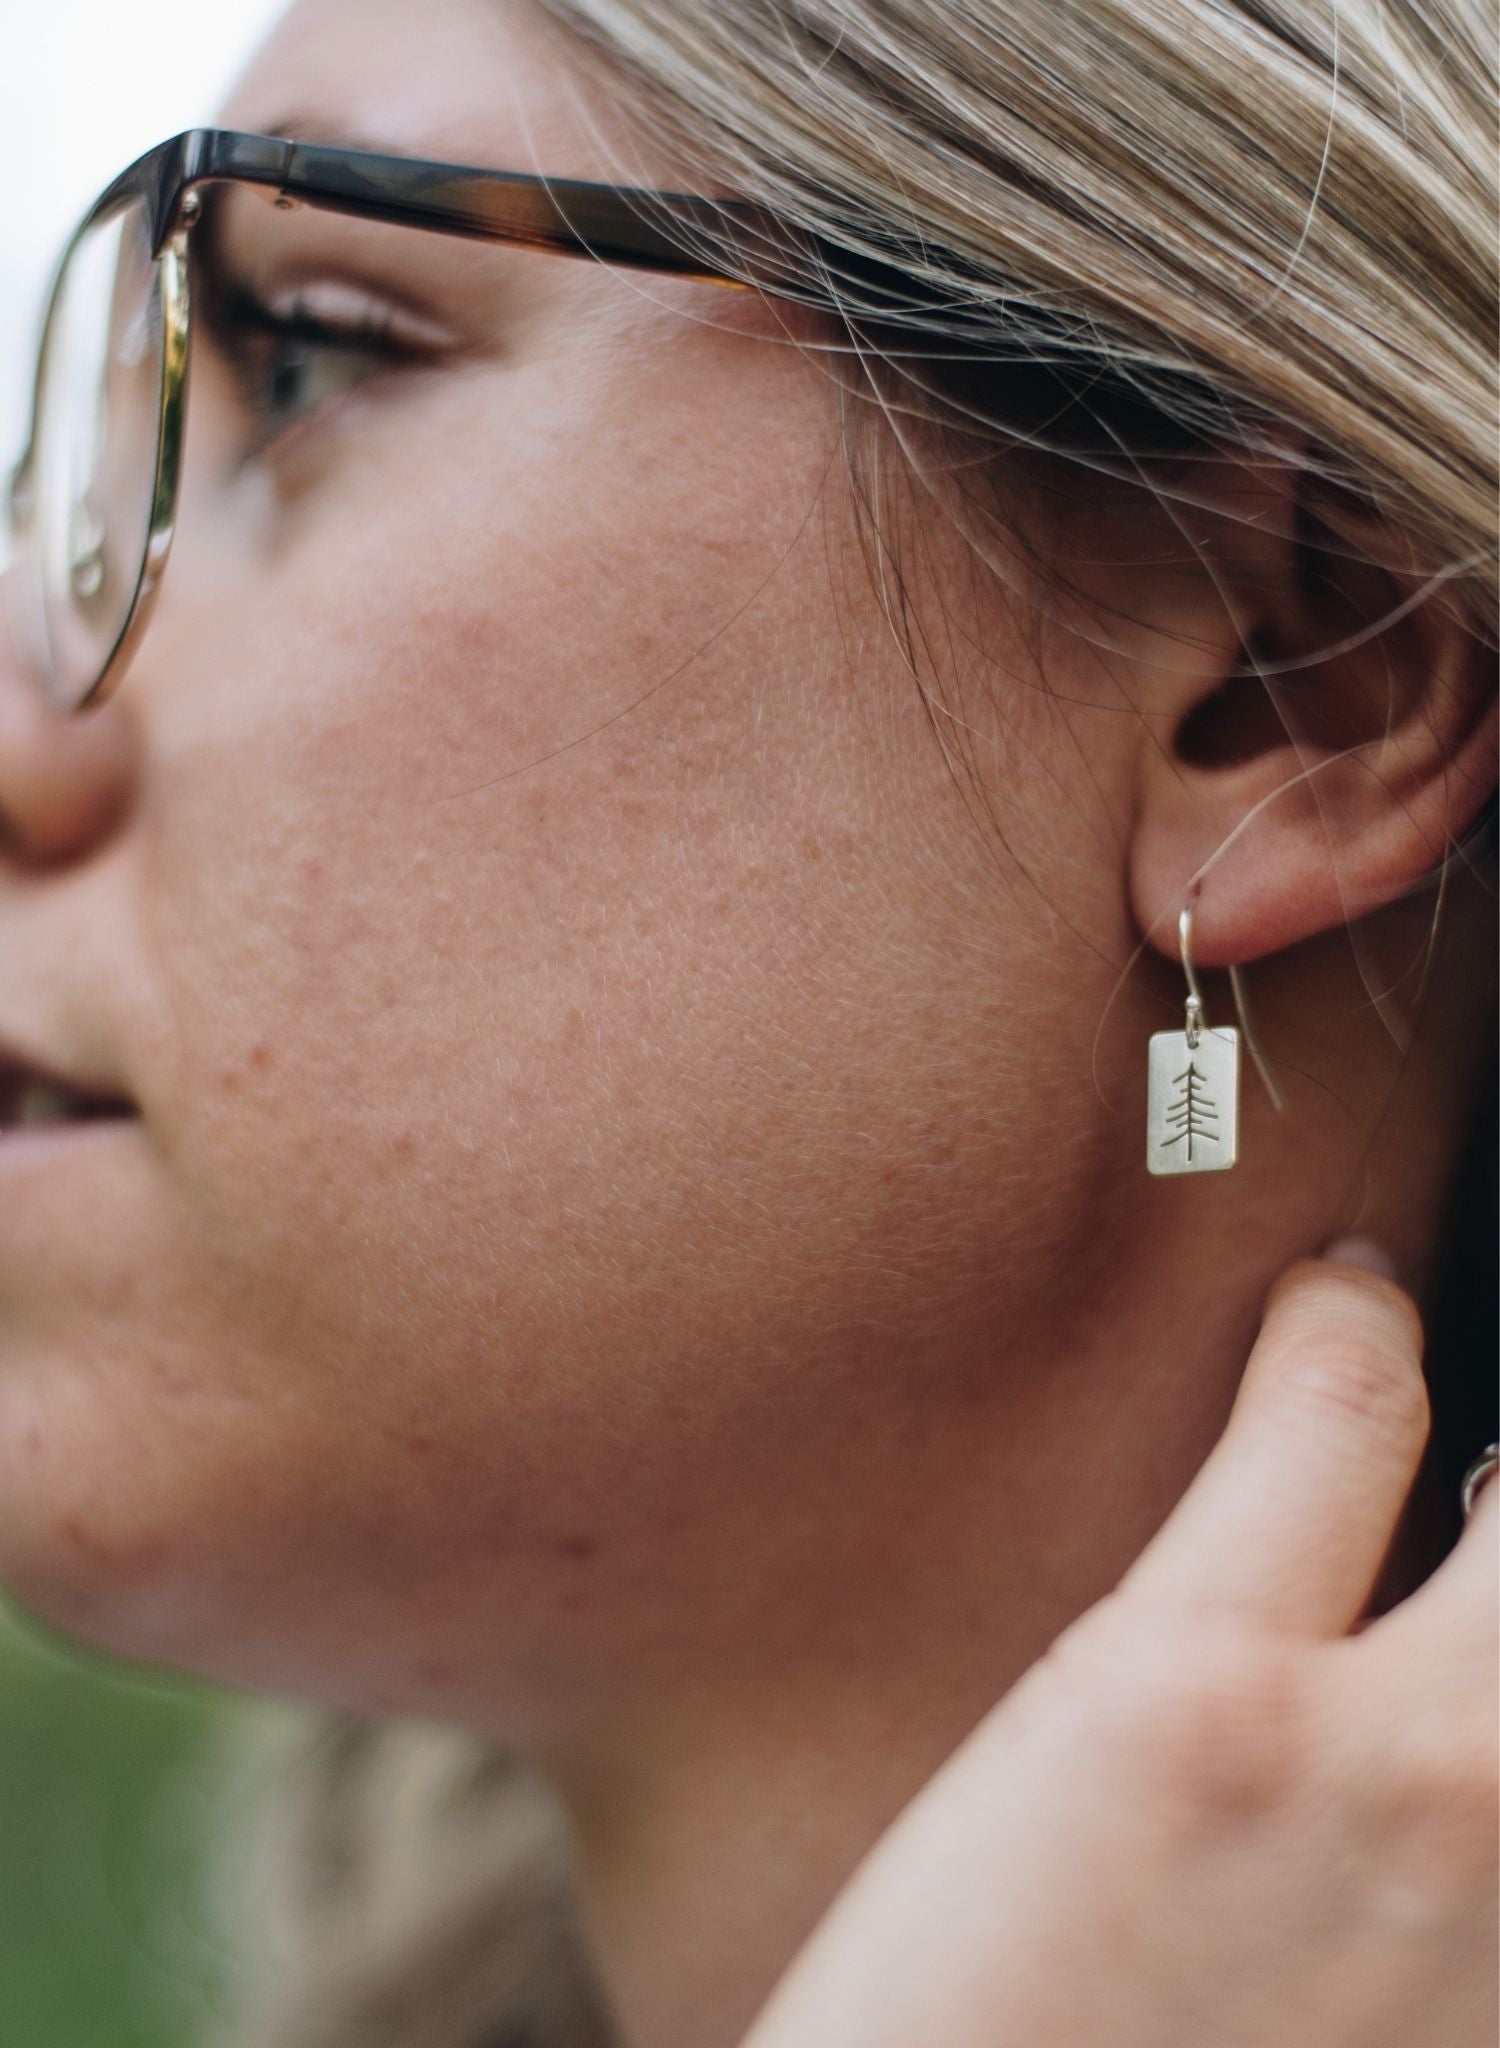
[1194,1113]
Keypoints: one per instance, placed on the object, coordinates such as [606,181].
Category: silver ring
[1483,1467]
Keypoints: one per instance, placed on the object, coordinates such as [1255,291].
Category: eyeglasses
[93,500]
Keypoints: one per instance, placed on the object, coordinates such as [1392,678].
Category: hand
[1217,1814]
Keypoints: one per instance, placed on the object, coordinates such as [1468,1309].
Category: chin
[99,1540]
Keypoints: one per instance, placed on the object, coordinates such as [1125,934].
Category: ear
[1321,723]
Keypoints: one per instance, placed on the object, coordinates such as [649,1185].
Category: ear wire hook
[1196,1021]
[1197,1024]
[1236,982]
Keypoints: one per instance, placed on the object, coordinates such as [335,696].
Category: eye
[293,355]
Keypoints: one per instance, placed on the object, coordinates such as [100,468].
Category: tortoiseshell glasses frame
[161,197]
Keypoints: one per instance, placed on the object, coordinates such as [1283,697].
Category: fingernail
[1361,1251]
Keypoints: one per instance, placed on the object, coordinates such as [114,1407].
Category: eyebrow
[238,259]
[678,232]
[215,263]
[326,133]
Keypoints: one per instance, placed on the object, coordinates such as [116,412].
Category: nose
[65,780]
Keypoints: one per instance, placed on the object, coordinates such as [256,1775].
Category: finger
[1292,1513]
[1451,1623]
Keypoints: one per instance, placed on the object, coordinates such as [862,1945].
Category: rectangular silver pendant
[1193,1101]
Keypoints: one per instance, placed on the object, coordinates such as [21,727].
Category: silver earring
[1192,1085]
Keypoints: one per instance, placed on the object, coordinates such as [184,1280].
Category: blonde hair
[1266,223]
[1266,219]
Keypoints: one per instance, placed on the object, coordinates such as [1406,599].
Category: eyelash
[264,344]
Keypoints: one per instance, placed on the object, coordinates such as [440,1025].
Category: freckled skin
[538,1090]
[599,1082]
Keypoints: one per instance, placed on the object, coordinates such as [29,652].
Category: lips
[34,1097]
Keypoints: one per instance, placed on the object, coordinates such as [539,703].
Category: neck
[714,1838]
[958,1541]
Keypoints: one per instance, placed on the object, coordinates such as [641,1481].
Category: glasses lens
[85,494]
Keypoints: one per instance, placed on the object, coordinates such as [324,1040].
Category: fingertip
[1368,1267]
[1368,1256]
[1361,1251]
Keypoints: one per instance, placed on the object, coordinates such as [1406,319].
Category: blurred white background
[85,86]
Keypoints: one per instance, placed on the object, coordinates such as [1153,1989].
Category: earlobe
[1324,762]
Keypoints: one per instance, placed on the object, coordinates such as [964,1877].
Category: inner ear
[1339,668]
[1263,709]
[1233,725]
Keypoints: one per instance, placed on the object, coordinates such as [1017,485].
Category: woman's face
[595,1076]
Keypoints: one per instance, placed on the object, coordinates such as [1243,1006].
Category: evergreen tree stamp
[1193,1102]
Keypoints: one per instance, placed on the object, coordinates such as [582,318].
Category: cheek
[491,813]
[427,1031]
[564,1033]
